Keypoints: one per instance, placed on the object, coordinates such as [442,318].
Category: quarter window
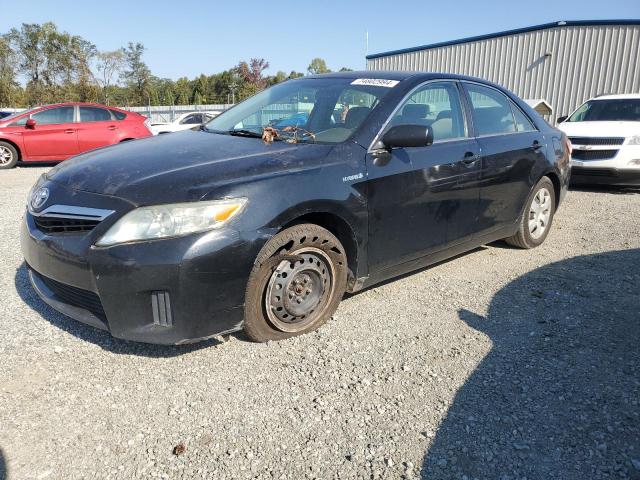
[118,115]
[54,116]
[491,111]
[436,105]
[523,124]
[94,114]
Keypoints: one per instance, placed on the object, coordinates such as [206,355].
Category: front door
[54,136]
[511,146]
[424,198]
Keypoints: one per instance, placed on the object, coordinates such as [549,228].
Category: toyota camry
[257,223]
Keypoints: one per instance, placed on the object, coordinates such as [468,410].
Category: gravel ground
[499,364]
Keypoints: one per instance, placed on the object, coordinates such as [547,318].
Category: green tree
[8,84]
[137,75]
[55,64]
[109,66]
[318,66]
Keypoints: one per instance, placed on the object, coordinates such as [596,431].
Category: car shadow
[558,395]
[36,164]
[99,337]
[4,470]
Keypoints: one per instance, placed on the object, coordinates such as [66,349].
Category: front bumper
[170,291]
[605,176]
[622,169]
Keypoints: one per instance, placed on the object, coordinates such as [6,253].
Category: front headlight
[634,140]
[171,220]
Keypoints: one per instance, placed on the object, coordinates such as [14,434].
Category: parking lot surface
[501,364]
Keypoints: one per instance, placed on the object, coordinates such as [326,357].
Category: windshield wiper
[240,132]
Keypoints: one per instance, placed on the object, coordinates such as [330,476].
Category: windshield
[320,110]
[618,110]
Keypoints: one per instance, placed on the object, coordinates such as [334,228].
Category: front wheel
[296,283]
[538,214]
[8,155]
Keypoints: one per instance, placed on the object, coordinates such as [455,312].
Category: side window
[54,116]
[523,124]
[436,105]
[94,114]
[491,110]
[118,115]
[192,119]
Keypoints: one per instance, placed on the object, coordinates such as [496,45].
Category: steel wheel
[539,213]
[296,283]
[6,155]
[299,289]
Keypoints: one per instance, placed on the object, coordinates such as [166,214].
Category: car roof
[71,104]
[398,75]
[620,96]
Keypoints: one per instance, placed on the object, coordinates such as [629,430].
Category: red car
[57,132]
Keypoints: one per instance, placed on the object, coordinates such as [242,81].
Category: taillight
[147,123]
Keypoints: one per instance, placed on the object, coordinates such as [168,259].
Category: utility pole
[233,86]
[366,47]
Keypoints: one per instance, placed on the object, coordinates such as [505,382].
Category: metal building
[563,63]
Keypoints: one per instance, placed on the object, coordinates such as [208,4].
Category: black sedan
[241,224]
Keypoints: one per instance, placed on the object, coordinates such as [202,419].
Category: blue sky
[186,38]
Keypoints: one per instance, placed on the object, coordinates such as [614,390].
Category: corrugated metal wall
[585,61]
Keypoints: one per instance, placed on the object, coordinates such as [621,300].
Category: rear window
[118,115]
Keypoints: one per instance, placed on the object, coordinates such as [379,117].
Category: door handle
[536,146]
[69,130]
[470,158]
[112,127]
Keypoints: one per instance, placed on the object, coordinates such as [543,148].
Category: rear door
[424,198]
[96,128]
[54,136]
[511,146]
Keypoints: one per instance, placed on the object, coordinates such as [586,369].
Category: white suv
[605,134]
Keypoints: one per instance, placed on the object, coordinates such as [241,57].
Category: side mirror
[562,119]
[408,136]
[31,123]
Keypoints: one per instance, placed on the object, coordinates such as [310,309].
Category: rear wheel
[537,218]
[296,283]
[8,155]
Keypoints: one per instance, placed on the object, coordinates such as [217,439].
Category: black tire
[8,156]
[296,251]
[524,237]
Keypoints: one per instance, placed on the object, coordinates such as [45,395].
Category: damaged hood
[183,166]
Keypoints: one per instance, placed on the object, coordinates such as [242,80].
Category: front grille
[75,296]
[593,154]
[593,172]
[64,225]
[597,140]
[68,218]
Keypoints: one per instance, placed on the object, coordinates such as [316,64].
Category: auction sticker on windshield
[376,82]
